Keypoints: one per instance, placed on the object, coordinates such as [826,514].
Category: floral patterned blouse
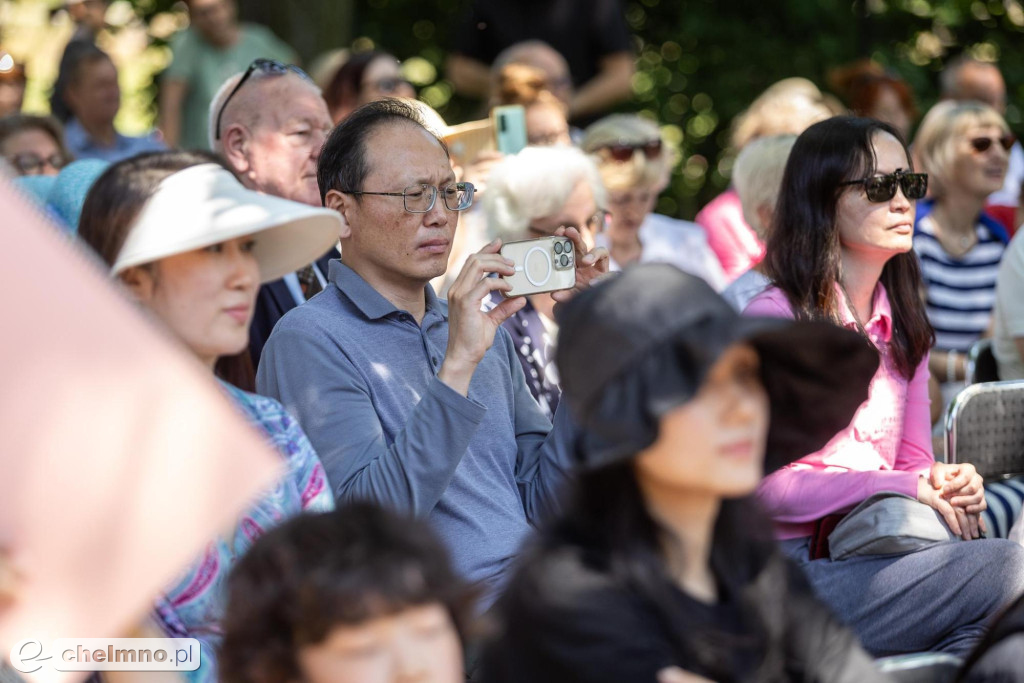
[194,605]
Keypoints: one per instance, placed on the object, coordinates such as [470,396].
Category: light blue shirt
[84,147]
[361,377]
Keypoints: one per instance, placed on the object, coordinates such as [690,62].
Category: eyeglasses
[596,223]
[33,164]
[882,188]
[421,198]
[390,85]
[624,152]
[982,144]
[266,66]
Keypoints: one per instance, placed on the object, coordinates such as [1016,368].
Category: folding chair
[985,427]
[981,363]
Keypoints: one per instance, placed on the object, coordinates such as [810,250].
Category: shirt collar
[76,137]
[879,325]
[368,300]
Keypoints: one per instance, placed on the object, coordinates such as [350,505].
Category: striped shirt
[960,292]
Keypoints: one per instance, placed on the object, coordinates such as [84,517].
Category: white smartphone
[510,128]
[547,264]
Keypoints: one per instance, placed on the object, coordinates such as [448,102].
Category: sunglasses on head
[982,144]
[882,188]
[266,66]
[624,152]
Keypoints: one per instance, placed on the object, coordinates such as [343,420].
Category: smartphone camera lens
[565,260]
[558,247]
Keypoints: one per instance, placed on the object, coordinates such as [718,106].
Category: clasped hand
[957,492]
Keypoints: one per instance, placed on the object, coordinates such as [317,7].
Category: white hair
[536,183]
[757,175]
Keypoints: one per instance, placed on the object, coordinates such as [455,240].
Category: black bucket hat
[635,346]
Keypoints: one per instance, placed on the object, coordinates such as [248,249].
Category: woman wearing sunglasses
[192,245]
[965,149]
[841,250]
[635,164]
[33,145]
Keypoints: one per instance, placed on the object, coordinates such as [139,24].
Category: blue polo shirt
[361,377]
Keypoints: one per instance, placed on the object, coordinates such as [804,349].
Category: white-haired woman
[635,162]
[530,195]
[964,149]
[757,177]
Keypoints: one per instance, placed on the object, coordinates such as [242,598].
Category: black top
[583,31]
[564,618]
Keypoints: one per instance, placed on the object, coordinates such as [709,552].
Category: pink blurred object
[735,243]
[121,455]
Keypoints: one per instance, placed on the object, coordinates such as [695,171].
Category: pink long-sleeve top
[886,447]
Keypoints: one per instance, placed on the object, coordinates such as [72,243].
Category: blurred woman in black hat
[662,567]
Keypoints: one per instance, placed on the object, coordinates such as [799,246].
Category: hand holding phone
[547,264]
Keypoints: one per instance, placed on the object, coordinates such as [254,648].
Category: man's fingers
[506,309]
[964,522]
[973,522]
[484,287]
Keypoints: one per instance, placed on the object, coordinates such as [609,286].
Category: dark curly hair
[315,572]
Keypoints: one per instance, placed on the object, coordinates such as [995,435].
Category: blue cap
[67,195]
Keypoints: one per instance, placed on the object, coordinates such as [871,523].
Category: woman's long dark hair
[610,520]
[803,255]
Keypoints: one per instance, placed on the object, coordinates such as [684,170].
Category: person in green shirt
[213,48]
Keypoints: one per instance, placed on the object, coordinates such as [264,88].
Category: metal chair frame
[1013,389]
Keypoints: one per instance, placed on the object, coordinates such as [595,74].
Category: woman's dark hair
[118,195]
[114,202]
[803,251]
[316,572]
[342,93]
[77,55]
[608,517]
[343,164]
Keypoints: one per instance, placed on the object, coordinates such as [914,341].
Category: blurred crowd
[711,455]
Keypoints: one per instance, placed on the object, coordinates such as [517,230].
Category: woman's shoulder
[770,302]
[263,410]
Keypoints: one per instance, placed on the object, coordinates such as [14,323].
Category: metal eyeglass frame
[468,188]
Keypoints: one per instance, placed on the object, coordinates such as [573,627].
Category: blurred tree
[700,62]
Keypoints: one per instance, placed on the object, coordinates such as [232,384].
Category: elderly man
[269,123]
[415,404]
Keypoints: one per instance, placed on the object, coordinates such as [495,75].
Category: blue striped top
[960,292]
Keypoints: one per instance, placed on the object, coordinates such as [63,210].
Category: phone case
[547,264]
[510,128]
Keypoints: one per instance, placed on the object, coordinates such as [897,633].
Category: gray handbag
[888,523]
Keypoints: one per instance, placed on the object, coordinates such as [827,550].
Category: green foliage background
[700,62]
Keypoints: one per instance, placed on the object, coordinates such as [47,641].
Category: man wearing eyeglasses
[214,47]
[269,123]
[415,403]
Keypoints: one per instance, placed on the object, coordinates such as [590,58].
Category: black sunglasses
[266,66]
[882,188]
[982,144]
[622,152]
